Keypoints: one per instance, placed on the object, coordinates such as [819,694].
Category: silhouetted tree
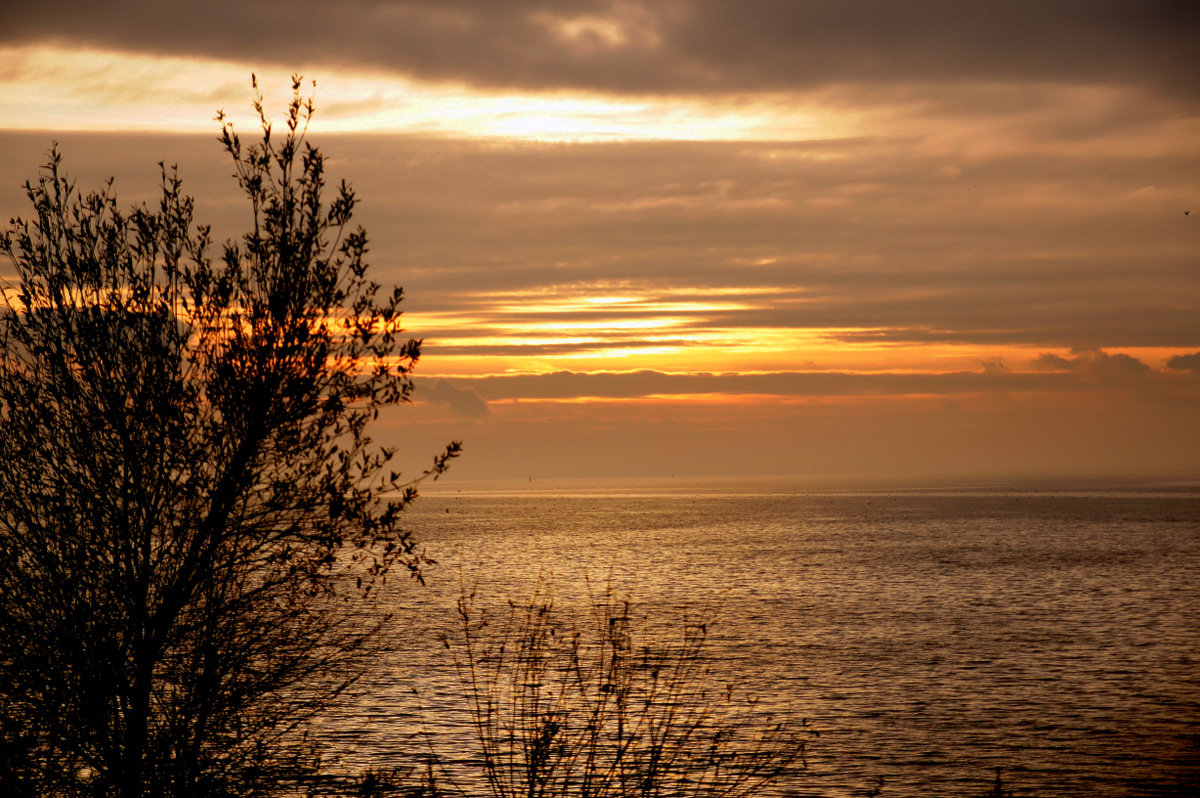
[192,514]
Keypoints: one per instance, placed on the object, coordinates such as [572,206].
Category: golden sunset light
[612,207]
[48,87]
[600,398]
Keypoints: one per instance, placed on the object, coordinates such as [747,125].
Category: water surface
[930,635]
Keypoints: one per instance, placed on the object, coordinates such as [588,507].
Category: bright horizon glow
[495,346]
[623,326]
[50,88]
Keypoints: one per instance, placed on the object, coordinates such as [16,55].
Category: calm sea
[931,636]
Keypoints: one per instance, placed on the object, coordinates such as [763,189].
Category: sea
[929,637]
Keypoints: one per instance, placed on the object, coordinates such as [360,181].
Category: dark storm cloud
[659,47]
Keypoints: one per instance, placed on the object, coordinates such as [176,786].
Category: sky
[842,241]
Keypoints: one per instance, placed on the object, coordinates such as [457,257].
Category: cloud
[1185,362]
[1095,363]
[464,401]
[1032,251]
[637,46]
[1049,361]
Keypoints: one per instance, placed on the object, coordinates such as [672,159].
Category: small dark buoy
[1185,213]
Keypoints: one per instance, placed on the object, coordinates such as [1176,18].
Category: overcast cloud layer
[977,253]
[671,46]
[871,241]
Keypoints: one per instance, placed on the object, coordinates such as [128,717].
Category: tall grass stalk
[599,705]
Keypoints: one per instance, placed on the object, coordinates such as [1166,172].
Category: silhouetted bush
[567,707]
